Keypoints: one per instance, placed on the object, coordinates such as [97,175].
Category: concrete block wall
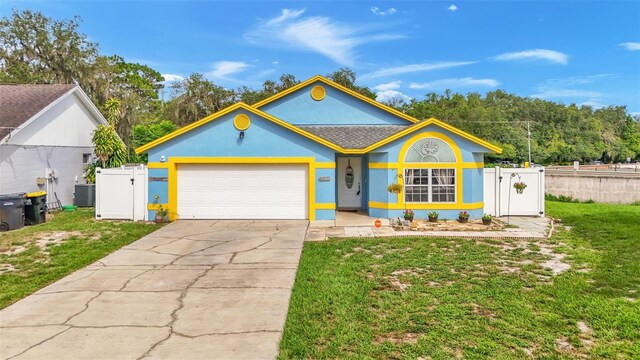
[605,188]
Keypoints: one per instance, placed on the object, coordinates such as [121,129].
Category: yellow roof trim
[313,137]
[339,87]
[229,109]
[186,128]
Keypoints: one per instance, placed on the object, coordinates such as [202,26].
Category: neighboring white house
[45,138]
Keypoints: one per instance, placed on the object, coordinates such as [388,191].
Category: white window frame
[430,185]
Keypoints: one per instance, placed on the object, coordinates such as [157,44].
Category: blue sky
[582,52]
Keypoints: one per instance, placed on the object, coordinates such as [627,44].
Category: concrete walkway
[191,290]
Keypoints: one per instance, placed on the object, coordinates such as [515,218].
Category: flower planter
[409,218]
[519,191]
[159,219]
[462,221]
[433,219]
[486,222]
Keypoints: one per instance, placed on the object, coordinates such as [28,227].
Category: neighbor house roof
[354,136]
[20,102]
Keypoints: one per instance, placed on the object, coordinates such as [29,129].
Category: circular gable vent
[241,122]
[318,93]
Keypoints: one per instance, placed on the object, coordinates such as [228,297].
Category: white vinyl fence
[121,193]
[501,198]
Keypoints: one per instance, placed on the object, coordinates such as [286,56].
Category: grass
[421,298]
[50,251]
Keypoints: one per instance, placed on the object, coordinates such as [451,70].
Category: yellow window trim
[395,165]
[173,163]
[426,206]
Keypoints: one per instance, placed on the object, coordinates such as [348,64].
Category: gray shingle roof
[354,136]
[19,102]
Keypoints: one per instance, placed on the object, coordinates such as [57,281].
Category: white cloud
[568,93]
[455,83]
[394,85]
[337,41]
[275,62]
[535,54]
[452,7]
[376,11]
[405,69]
[593,104]
[223,68]
[631,46]
[386,95]
[172,78]
[573,81]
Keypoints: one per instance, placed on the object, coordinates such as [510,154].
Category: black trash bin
[35,209]
[12,211]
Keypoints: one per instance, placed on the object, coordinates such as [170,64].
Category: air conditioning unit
[85,195]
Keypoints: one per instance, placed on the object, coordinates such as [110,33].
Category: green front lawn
[421,298]
[35,256]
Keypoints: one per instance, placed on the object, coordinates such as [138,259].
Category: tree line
[40,50]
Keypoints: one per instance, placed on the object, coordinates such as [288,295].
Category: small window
[86,158]
[430,185]
[430,150]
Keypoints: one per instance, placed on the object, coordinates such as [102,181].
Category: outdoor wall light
[241,135]
[162,158]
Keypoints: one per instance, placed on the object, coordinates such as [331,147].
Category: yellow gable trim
[255,110]
[339,87]
[232,108]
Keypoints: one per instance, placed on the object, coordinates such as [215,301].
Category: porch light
[241,135]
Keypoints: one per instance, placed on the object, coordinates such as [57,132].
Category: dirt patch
[395,281]
[14,250]
[398,339]
[478,310]
[54,238]
[5,268]
[564,345]
[555,264]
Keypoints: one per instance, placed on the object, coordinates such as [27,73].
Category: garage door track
[191,290]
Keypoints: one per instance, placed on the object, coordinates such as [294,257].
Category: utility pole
[529,140]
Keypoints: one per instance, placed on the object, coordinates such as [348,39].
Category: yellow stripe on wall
[424,206]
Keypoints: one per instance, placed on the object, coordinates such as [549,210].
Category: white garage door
[243,191]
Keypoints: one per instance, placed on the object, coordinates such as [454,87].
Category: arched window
[424,184]
[429,150]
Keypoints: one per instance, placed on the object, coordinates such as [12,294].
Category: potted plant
[463,216]
[520,186]
[161,212]
[408,215]
[394,188]
[486,219]
[433,216]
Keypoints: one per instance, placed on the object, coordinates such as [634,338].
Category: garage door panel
[250,191]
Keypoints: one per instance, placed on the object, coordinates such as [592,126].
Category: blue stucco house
[309,151]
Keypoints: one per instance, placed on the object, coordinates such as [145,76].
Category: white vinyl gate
[121,193]
[501,198]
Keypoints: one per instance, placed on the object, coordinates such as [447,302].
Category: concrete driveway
[191,290]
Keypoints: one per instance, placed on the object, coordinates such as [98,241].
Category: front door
[349,182]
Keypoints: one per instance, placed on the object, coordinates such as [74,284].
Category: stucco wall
[219,138]
[606,188]
[20,166]
[337,108]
